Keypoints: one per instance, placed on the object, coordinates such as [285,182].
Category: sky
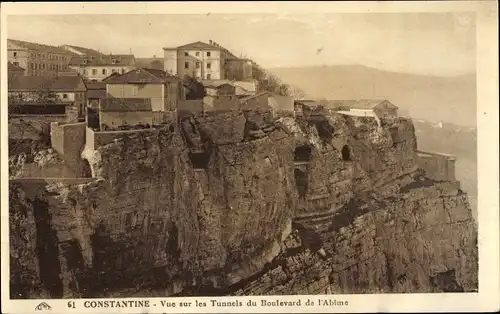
[440,44]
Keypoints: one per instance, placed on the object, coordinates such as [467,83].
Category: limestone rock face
[237,203]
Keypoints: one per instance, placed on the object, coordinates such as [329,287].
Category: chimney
[210,42]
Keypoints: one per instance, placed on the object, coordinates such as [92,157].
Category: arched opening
[199,160]
[302,153]
[301,182]
[346,153]
[86,170]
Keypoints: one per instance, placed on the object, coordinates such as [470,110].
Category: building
[206,62]
[125,113]
[95,92]
[81,51]
[381,108]
[162,89]
[219,88]
[220,103]
[97,68]
[38,59]
[14,70]
[259,102]
[43,95]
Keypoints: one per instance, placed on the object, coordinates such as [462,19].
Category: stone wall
[69,140]
[439,167]
[221,205]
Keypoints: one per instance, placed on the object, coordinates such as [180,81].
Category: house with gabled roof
[45,95]
[204,61]
[38,59]
[164,90]
[124,113]
[99,67]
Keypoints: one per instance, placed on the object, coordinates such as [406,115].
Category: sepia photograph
[218,154]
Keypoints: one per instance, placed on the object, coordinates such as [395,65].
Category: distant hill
[432,98]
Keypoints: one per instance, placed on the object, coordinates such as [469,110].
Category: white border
[487,299]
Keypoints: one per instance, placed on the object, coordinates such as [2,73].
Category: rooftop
[39,47]
[142,75]
[36,83]
[85,51]
[125,104]
[103,60]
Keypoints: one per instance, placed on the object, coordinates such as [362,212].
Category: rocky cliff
[243,203]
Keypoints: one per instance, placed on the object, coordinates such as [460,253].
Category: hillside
[450,99]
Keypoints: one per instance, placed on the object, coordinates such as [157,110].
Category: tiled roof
[103,60]
[96,85]
[13,67]
[198,45]
[39,47]
[56,83]
[125,104]
[85,51]
[145,76]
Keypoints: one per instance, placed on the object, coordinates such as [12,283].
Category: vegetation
[195,89]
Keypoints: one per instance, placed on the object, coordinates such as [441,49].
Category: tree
[195,89]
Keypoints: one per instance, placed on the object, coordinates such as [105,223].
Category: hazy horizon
[415,43]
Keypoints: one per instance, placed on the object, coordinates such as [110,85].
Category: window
[135,90]
[186,65]
[197,65]
[15,63]
[84,72]
[197,54]
[103,71]
[15,54]
[123,70]
[209,76]
[94,71]
[209,54]
[186,53]
[209,65]
[65,96]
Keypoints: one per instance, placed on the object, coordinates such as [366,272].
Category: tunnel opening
[86,169]
[302,153]
[199,160]
[301,182]
[47,249]
[346,153]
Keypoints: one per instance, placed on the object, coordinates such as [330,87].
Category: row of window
[43,66]
[46,56]
[197,53]
[197,65]
[104,71]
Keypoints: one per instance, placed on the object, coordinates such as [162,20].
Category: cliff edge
[243,203]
